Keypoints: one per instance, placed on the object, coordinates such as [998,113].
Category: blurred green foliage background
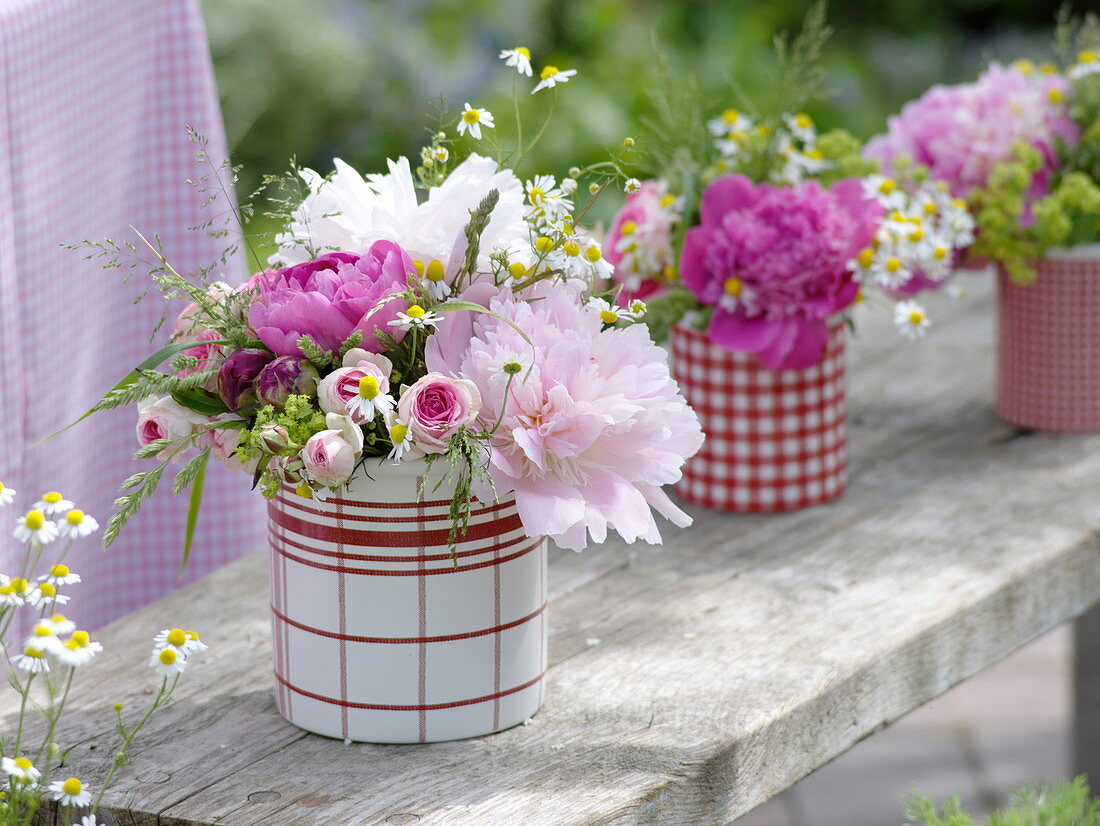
[359,79]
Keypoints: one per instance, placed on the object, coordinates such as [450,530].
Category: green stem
[55,716]
[24,693]
[542,129]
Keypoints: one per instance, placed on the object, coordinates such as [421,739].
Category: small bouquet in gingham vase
[750,258]
[1022,142]
[426,387]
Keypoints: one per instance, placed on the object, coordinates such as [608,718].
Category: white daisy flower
[61,575]
[802,127]
[53,504]
[76,524]
[568,186]
[20,769]
[90,820]
[369,400]
[472,120]
[70,792]
[520,57]
[728,122]
[547,201]
[910,319]
[416,316]
[6,494]
[637,308]
[608,312]
[43,636]
[1088,63]
[434,278]
[45,592]
[402,441]
[78,649]
[32,660]
[59,624]
[35,527]
[551,76]
[632,185]
[514,367]
[884,190]
[167,662]
[185,642]
[14,591]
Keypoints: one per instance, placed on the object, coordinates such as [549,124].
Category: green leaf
[193,508]
[134,375]
[201,401]
[474,307]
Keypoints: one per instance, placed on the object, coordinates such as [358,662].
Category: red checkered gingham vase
[775,441]
[379,637]
[1048,344]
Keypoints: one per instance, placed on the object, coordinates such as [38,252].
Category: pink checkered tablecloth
[95,98]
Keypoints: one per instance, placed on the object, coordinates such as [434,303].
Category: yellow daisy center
[168,656]
[1056,96]
[916,317]
[176,637]
[866,257]
[628,228]
[24,763]
[398,433]
[42,631]
[916,235]
[668,200]
[59,570]
[803,121]
[1087,56]
[53,497]
[733,286]
[523,50]
[72,787]
[730,115]
[80,639]
[1,487]
[435,271]
[608,317]
[593,254]
[34,653]
[419,266]
[929,208]
[471,116]
[763,130]
[415,311]
[58,618]
[191,635]
[73,517]
[815,153]
[368,389]
[893,265]
[19,585]
[940,253]
[548,72]
[544,244]
[571,248]
[536,195]
[47,589]
[887,186]
[517,270]
[34,520]
[669,273]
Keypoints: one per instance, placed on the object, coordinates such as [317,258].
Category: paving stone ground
[1008,725]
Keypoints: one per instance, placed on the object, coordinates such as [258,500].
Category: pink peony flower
[639,244]
[330,298]
[436,407]
[773,262]
[330,455]
[961,133]
[592,426]
[165,418]
[342,385]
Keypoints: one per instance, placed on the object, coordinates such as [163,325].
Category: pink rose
[165,418]
[223,444]
[185,324]
[341,385]
[436,407]
[330,456]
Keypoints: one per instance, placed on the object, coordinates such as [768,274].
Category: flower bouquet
[425,386]
[1022,143]
[751,245]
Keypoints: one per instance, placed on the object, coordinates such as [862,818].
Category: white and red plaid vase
[379,636]
[1048,344]
[775,440]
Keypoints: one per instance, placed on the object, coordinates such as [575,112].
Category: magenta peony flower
[436,407]
[961,133]
[591,427]
[773,262]
[331,297]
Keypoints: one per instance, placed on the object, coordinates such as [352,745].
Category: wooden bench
[689,683]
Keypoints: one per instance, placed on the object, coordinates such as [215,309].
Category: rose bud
[274,439]
[237,377]
[284,377]
[289,469]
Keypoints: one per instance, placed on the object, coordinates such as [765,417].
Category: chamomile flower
[401,439]
[434,278]
[632,185]
[568,186]
[416,316]
[32,660]
[90,820]
[185,642]
[801,126]
[78,649]
[77,524]
[609,313]
[884,190]
[167,662]
[14,591]
[70,792]
[637,308]
[20,770]
[728,122]
[471,120]
[369,400]
[1088,63]
[35,527]
[734,293]
[7,495]
[546,200]
[551,76]
[910,319]
[441,154]
[512,368]
[61,575]
[43,636]
[53,504]
[59,624]
[46,592]
[519,57]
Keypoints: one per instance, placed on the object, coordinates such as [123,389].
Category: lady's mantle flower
[520,57]
[33,659]
[168,662]
[551,76]
[77,524]
[20,769]
[7,495]
[911,320]
[53,504]
[184,642]
[473,119]
[70,792]
[35,527]
[415,316]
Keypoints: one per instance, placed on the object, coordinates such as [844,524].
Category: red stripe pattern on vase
[380,637]
[775,440]
[1048,347]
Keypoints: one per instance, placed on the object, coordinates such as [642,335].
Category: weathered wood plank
[1086,696]
[734,660]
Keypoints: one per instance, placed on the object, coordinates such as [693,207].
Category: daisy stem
[24,693]
[55,715]
[542,129]
[515,106]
